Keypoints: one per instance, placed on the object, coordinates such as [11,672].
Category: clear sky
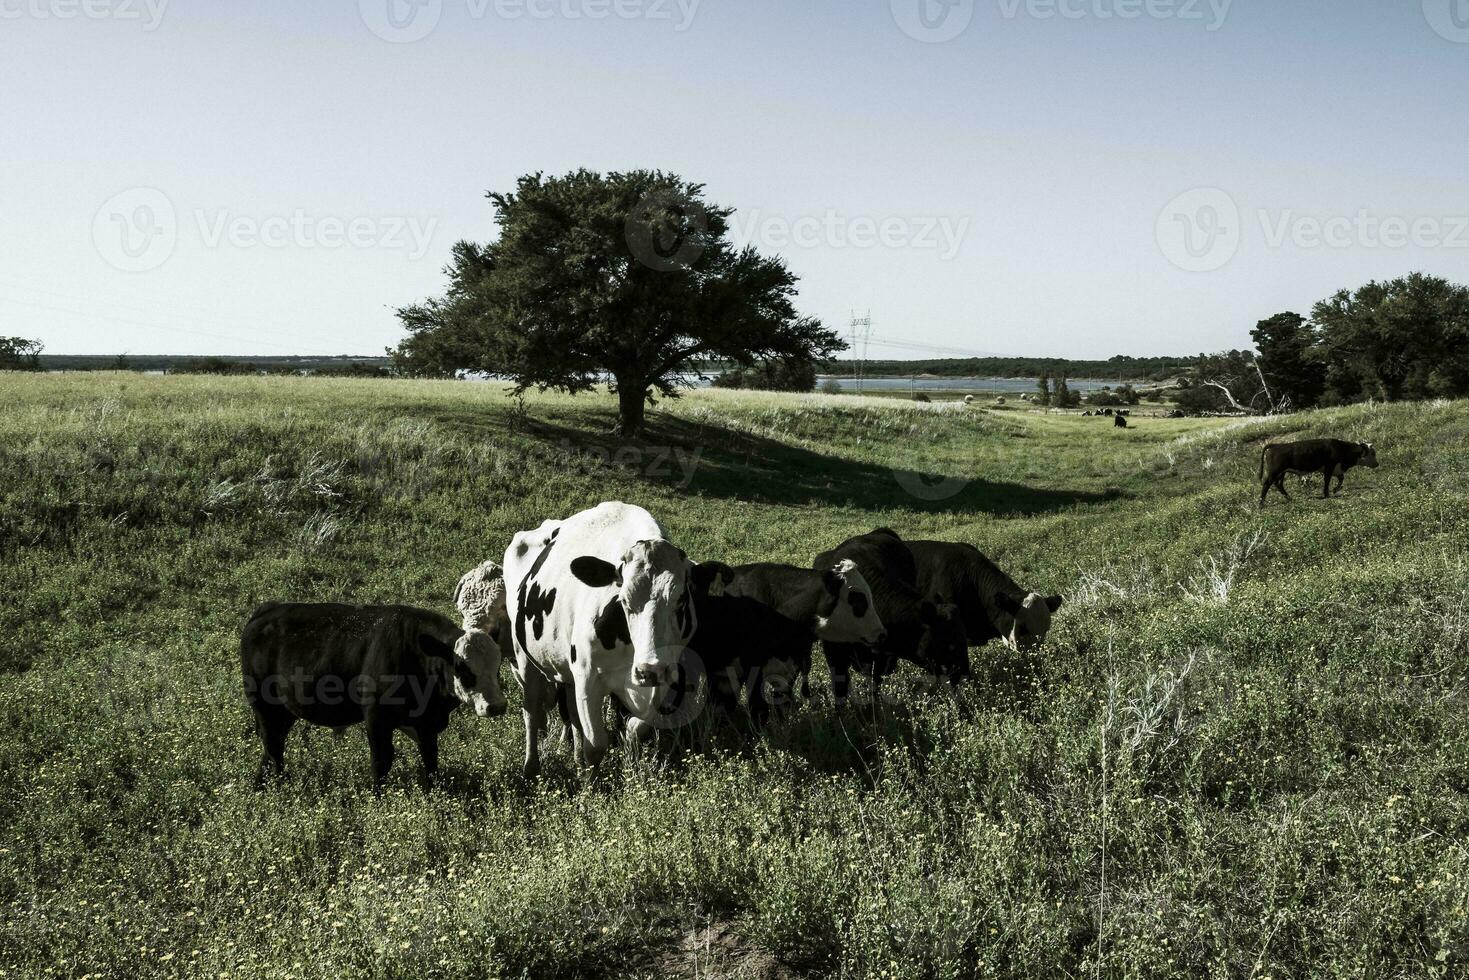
[1040,177]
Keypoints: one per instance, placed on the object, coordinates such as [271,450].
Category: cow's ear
[432,646]
[710,577]
[1007,603]
[832,579]
[1053,602]
[594,571]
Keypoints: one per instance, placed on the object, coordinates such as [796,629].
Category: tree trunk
[632,402]
[1229,397]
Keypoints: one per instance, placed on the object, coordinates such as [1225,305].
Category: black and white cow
[603,604]
[757,624]
[389,667]
[991,606]
[918,630]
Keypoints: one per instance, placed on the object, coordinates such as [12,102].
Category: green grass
[1251,725]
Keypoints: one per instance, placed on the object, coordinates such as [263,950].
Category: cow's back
[336,635]
[885,561]
[959,573]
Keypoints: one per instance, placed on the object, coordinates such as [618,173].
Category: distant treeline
[219,364]
[1120,367]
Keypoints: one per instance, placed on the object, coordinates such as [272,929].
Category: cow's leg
[1326,482]
[1280,484]
[1341,475]
[840,663]
[724,689]
[570,736]
[428,751]
[535,691]
[379,746]
[273,724]
[588,697]
[758,703]
[1265,489]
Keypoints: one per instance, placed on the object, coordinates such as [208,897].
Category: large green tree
[1406,338]
[623,278]
[1290,361]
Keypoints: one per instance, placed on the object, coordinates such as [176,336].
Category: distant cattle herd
[604,607]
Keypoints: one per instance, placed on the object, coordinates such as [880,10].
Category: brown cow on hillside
[1327,456]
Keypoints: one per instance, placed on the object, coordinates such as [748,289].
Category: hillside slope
[1244,749]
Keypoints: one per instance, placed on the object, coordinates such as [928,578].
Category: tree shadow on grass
[702,459]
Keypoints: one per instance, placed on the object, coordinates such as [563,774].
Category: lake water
[849,384]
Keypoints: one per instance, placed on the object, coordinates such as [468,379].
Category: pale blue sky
[1023,171]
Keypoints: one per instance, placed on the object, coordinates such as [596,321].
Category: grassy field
[1244,750]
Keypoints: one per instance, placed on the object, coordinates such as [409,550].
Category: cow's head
[655,603]
[845,613]
[480,598]
[1369,455]
[473,666]
[943,645]
[1030,618]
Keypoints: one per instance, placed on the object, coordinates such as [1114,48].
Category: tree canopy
[1404,338]
[624,278]
[20,354]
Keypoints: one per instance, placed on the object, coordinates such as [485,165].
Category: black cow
[742,643]
[919,631]
[766,620]
[991,606]
[1324,456]
[1119,421]
[389,667]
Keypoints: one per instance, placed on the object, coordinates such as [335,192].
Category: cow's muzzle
[650,675]
[490,709]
